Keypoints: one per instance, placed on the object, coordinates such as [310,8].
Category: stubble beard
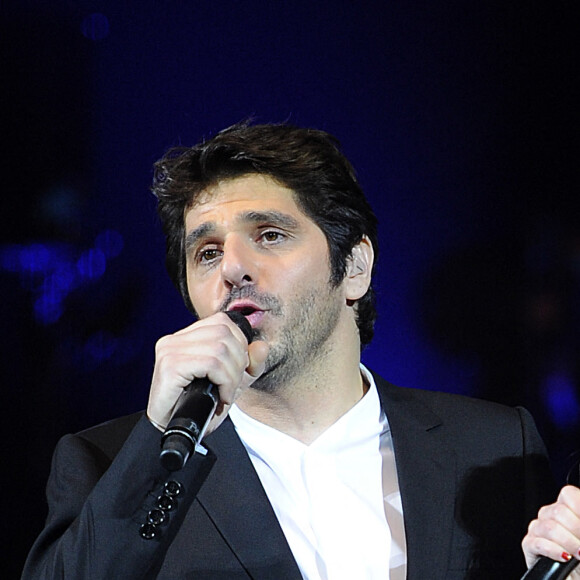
[302,340]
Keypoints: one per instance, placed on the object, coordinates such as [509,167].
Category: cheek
[304,275]
[200,294]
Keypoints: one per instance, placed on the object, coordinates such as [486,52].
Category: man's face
[250,248]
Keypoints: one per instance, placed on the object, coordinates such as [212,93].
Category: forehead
[231,196]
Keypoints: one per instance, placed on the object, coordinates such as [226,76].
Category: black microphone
[546,569]
[193,412]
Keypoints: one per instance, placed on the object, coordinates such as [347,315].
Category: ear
[359,266]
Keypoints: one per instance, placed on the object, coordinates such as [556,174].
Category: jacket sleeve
[112,518]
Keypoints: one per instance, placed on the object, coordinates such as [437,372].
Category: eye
[272,236]
[208,255]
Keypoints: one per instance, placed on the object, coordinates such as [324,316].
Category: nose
[238,267]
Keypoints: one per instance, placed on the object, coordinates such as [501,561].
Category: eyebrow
[199,232]
[272,217]
[275,218]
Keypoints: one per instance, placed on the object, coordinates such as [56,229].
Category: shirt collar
[360,423]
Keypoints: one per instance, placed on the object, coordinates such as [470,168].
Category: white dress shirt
[334,497]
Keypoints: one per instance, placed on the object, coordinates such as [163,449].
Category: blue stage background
[460,118]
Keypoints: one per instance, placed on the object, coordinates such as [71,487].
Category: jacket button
[165,503]
[173,488]
[156,517]
[148,531]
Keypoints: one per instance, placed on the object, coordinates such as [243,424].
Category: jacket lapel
[426,470]
[235,500]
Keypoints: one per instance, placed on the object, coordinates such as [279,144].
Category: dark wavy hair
[307,161]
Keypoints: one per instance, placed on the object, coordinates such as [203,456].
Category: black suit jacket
[471,473]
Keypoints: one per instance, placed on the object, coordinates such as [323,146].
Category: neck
[308,405]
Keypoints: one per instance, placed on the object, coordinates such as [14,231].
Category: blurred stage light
[51,271]
[561,399]
[92,264]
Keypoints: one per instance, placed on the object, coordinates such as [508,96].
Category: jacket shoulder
[446,404]
[465,422]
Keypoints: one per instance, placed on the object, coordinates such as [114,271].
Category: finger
[570,496]
[533,548]
[565,513]
[548,537]
[209,325]
[257,354]
[213,347]
[255,365]
[220,357]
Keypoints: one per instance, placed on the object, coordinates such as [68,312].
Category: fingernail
[566,556]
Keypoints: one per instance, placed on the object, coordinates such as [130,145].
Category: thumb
[257,354]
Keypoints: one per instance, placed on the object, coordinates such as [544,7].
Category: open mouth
[251,312]
[245,310]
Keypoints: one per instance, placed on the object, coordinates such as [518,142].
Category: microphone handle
[194,410]
[546,569]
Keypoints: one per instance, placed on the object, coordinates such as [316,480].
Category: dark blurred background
[460,117]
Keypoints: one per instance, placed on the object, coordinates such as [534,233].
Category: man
[312,467]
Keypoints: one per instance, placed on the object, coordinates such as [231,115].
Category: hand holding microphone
[556,534]
[191,365]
